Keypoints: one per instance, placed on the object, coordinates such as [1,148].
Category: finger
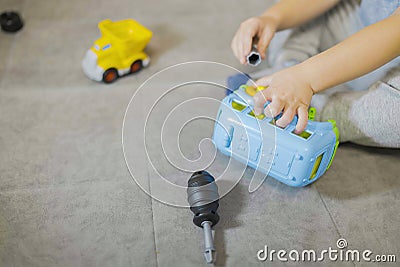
[274,108]
[245,48]
[234,46]
[287,117]
[259,100]
[248,31]
[302,114]
[264,41]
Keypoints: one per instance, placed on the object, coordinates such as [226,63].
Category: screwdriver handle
[203,199]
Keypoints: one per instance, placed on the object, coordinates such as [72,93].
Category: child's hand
[259,28]
[287,91]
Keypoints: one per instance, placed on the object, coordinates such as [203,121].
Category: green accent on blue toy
[311,113]
[336,131]
[304,134]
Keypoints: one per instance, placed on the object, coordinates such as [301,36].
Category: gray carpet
[66,196]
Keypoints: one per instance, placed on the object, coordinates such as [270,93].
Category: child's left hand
[288,91]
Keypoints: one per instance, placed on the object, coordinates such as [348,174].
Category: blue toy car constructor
[293,159]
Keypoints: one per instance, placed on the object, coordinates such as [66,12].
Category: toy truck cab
[119,50]
[294,159]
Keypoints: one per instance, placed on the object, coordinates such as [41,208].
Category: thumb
[264,40]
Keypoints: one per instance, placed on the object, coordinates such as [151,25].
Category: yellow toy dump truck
[119,51]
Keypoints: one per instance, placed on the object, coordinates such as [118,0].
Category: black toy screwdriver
[203,199]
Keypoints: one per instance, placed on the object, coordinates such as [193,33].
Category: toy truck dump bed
[127,34]
[118,51]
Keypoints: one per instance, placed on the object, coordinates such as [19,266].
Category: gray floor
[66,196]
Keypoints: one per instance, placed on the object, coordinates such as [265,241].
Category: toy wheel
[10,22]
[136,66]
[110,75]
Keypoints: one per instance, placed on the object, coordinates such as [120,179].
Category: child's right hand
[289,91]
[261,29]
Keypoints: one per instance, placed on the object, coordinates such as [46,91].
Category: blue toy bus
[294,159]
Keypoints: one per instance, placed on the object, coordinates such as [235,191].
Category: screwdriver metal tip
[209,254]
[209,249]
